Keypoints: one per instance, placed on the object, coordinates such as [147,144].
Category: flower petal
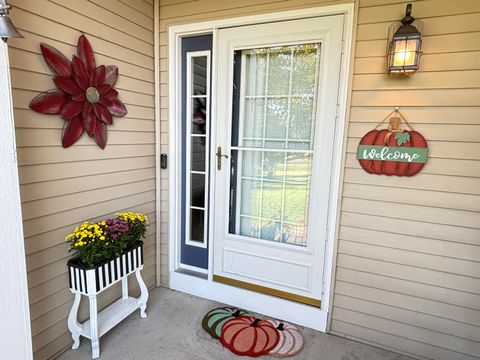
[102,90]
[111,75]
[80,73]
[49,102]
[72,132]
[105,101]
[102,113]
[71,109]
[111,94]
[80,97]
[85,53]
[100,135]
[89,119]
[56,61]
[117,108]
[99,76]
[67,84]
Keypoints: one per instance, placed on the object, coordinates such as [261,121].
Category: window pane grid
[275,142]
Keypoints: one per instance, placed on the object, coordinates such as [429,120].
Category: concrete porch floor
[173,331]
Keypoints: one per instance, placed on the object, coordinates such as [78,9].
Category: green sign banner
[392,153]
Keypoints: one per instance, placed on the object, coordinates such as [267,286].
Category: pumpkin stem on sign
[236,313]
[255,322]
[281,327]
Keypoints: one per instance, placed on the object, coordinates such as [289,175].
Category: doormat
[246,335]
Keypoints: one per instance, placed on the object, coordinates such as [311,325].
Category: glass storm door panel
[276,113]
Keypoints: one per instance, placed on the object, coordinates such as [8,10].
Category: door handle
[219,158]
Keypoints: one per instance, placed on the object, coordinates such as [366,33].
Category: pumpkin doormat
[244,334]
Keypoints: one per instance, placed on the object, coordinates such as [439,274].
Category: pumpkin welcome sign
[393,151]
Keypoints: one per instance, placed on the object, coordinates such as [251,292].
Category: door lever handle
[219,158]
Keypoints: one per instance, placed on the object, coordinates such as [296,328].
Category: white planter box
[92,281]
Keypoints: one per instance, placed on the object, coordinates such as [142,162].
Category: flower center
[92,95]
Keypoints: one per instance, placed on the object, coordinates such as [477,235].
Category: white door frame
[309,316]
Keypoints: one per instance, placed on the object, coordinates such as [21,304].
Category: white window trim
[299,313]
[188,150]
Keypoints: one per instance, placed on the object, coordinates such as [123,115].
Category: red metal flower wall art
[85,98]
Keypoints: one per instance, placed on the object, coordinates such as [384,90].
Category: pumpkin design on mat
[214,320]
[247,335]
[290,340]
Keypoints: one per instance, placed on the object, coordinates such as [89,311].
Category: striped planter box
[89,281]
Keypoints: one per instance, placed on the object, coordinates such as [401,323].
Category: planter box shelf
[92,281]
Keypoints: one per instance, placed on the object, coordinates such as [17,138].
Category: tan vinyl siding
[62,187]
[408,266]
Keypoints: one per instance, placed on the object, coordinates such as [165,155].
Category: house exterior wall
[407,268]
[62,187]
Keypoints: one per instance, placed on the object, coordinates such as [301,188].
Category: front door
[276,102]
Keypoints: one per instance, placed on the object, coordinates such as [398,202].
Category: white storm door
[276,101]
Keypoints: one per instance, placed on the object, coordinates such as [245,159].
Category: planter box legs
[91,282]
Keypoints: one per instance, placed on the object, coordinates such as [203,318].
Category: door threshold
[291,311]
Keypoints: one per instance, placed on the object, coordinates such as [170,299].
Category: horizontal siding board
[421,298]
[55,154]
[407,331]
[446,266]
[55,188]
[451,43]
[422,181]
[412,273]
[461,61]
[404,301]
[106,16]
[413,227]
[435,25]
[434,323]
[128,12]
[412,243]
[56,237]
[412,212]
[46,223]
[65,170]
[59,14]
[427,8]
[438,199]
[418,115]
[407,97]
[467,79]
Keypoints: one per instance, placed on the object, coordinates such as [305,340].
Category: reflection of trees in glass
[290,89]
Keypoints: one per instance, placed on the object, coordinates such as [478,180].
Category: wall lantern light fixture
[404,50]
[7,29]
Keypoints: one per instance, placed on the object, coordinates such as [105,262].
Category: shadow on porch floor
[173,331]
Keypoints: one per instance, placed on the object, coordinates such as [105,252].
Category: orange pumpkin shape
[247,335]
[290,340]
[393,137]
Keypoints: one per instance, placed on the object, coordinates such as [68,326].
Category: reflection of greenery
[272,197]
[295,113]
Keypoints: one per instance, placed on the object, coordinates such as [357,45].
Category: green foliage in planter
[94,242]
